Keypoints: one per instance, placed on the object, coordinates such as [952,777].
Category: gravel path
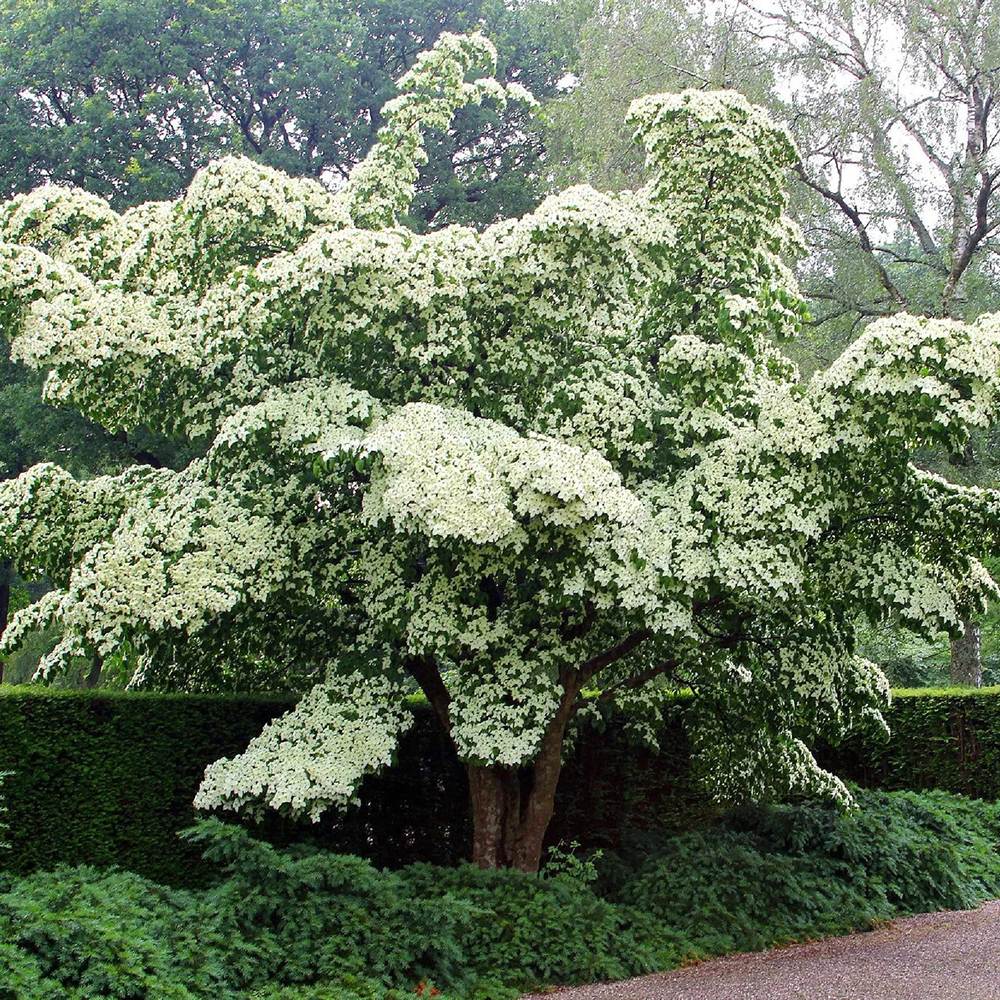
[937,956]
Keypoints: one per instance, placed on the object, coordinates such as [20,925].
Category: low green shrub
[310,916]
[528,929]
[768,876]
[81,933]
[306,915]
[306,924]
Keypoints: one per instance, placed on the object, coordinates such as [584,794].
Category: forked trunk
[511,809]
[510,815]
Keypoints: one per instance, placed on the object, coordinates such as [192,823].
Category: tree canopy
[526,469]
[127,100]
[892,107]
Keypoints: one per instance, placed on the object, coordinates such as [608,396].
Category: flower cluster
[315,755]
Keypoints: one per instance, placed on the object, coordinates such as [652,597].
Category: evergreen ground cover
[305,924]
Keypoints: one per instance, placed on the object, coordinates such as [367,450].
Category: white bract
[510,466]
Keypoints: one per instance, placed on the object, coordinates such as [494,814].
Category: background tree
[559,456]
[894,111]
[627,48]
[892,105]
[128,99]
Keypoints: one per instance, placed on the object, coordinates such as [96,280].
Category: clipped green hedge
[946,738]
[107,778]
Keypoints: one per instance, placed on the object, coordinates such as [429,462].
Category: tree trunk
[495,794]
[93,678]
[511,809]
[966,657]
[541,801]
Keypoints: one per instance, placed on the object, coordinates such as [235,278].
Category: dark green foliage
[303,924]
[311,916]
[533,925]
[941,738]
[80,933]
[459,926]
[611,784]
[786,873]
[107,778]
[128,98]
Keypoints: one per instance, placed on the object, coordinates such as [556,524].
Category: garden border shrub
[946,738]
[106,778]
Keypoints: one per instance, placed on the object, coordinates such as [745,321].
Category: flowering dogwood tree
[526,469]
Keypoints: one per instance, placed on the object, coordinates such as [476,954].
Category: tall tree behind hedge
[127,99]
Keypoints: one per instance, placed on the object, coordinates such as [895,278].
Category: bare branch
[854,216]
[615,653]
[638,680]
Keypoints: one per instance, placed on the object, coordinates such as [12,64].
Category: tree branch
[614,654]
[638,680]
[425,672]
[859,227]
